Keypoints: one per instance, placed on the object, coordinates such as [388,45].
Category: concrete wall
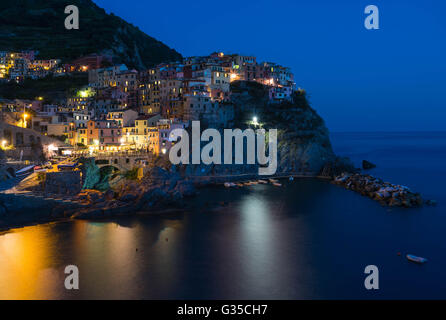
[68,183]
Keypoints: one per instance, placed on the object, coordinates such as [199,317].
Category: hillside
[39,25]
[52,89]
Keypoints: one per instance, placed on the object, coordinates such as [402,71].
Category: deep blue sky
[392,79]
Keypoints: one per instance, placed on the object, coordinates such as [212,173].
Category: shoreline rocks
[159,189]
[386,193]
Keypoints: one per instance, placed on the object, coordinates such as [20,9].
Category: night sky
[391,79]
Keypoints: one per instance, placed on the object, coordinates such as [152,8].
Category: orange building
[103,134]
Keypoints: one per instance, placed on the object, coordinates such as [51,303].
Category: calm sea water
[306,240]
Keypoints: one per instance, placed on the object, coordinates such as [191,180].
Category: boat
[229,184]
[67,166]
[262,181]
[40,169]
[416,259]
[276,184]
[25,171]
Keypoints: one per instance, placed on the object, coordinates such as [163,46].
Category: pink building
[103,134]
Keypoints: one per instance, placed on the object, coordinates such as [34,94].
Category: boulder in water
[366,165]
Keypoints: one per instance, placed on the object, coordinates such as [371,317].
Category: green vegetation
[61,138]
[132,174]
[298,110]
[81,145]
[39,25]
[41,176]
[49,88]
[254,89]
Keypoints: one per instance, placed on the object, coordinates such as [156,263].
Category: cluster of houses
[124,109]
[18,66]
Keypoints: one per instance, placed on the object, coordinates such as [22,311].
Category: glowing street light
[24,120]
[67,152]
[254,121]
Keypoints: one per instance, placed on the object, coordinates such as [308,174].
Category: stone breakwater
[376,189]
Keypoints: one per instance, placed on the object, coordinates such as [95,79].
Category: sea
[308,239]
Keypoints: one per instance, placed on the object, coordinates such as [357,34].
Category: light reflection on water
[26,264]
[308,239]
[211,249]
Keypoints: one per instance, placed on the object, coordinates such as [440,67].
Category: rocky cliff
[303,140]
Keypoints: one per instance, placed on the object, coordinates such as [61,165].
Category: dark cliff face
[303,141]
[39,25]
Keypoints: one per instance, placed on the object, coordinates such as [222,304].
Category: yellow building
[81,136]
[154,140]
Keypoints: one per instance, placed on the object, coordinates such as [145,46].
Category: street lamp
[96,143]
[24,119]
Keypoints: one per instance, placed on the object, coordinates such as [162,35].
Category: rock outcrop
[159,189]
[303,140]
[366,165]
